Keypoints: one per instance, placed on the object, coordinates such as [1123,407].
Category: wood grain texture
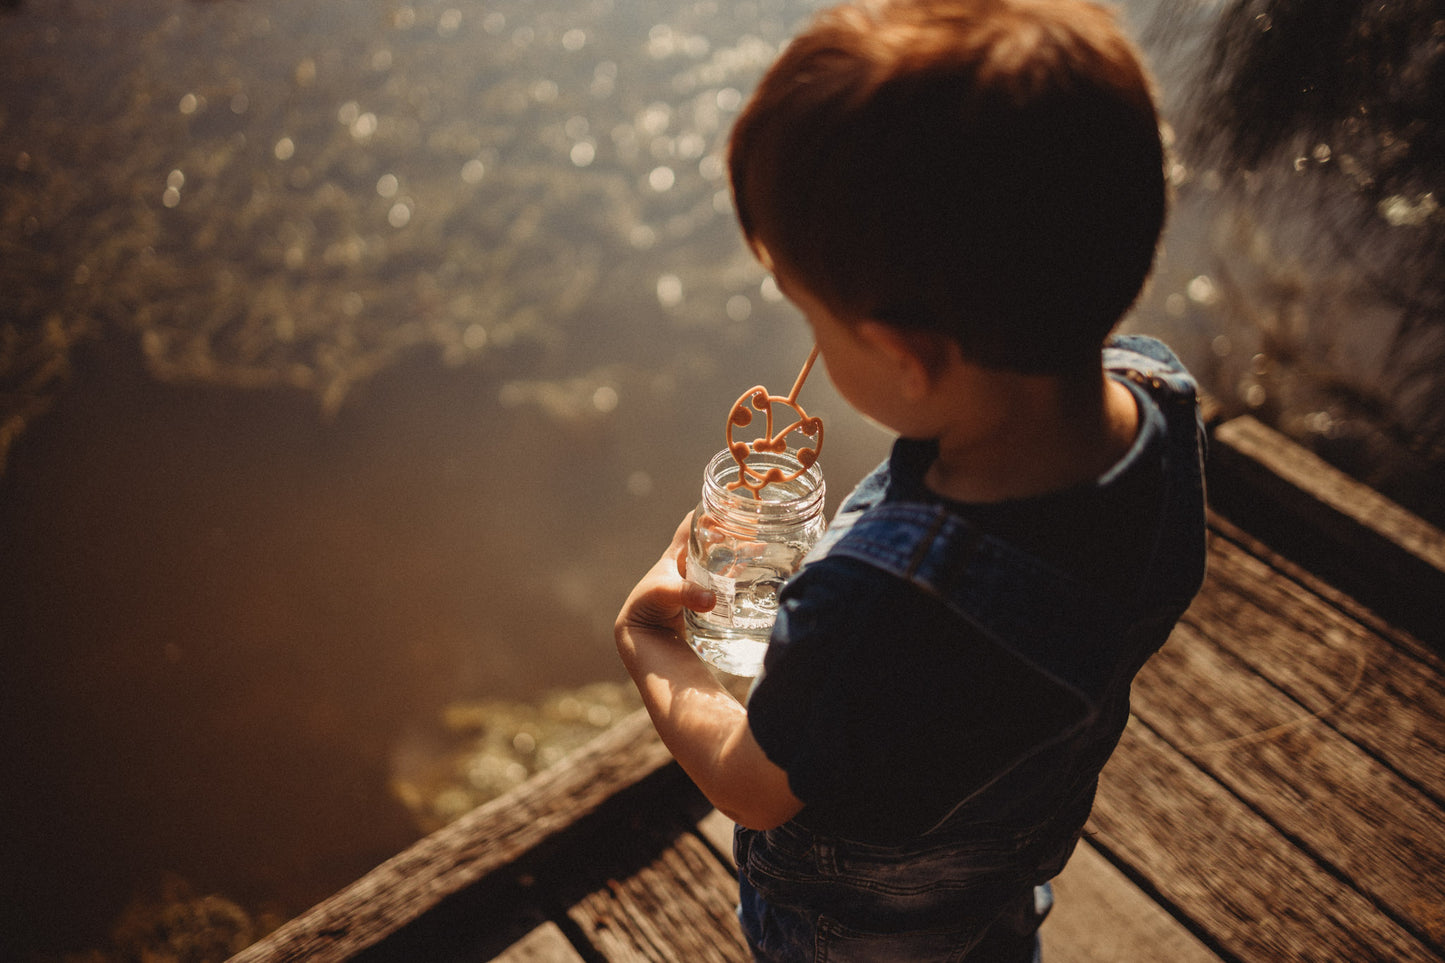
[1325,497]
[545,944]
[465,851]
[1343,531]
[680,906]
[1100,916]
[1380,689]
[1356,816]
[1235,876]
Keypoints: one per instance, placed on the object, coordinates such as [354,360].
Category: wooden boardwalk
[1279,794]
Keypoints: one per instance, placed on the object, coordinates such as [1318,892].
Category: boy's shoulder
[1149,362]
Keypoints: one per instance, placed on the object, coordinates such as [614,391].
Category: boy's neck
[1022,436]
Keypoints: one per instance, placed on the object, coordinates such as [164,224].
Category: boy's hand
[657,601]
[704,727]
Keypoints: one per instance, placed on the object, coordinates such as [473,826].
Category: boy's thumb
[697,598]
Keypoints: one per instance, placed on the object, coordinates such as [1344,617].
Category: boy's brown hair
[987,170]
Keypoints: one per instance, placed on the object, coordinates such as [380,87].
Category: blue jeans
[780,936]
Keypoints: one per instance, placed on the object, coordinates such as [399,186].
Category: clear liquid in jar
[733,636]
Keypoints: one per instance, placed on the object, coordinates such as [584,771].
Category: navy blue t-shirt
[884,708]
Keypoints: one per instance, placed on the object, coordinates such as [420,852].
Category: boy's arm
[700,723]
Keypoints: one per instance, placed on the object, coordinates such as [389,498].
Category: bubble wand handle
[758,399]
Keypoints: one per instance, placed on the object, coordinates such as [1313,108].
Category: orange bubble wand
[760,400]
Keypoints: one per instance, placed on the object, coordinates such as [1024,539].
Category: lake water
[355,358]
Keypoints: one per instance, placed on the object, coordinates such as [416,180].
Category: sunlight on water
[552,114]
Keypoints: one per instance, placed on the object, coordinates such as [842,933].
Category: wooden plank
[717,829]
[1356,815]
[1384,694]
[1237,878]
[455,857]
[1322,496]
[545,944]
[499,919]
[1099,916]
[679,906]
[1342,530]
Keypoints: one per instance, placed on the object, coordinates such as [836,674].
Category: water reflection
[266,162]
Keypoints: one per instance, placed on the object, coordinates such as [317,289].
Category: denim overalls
[977,880]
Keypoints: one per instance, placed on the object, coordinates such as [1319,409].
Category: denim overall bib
[977,880]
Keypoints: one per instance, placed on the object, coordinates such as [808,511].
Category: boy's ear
[907,352]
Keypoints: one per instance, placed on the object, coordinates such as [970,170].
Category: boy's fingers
[697,598]
[678,548]
[660,598]
[684,529]
[660,605]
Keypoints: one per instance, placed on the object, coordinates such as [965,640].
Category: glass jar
[744,548]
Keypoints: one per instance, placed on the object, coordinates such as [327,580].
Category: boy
[962,197]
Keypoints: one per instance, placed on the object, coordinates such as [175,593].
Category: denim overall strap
[1152,370]
[1086,644]
[869,492]
[997,588]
